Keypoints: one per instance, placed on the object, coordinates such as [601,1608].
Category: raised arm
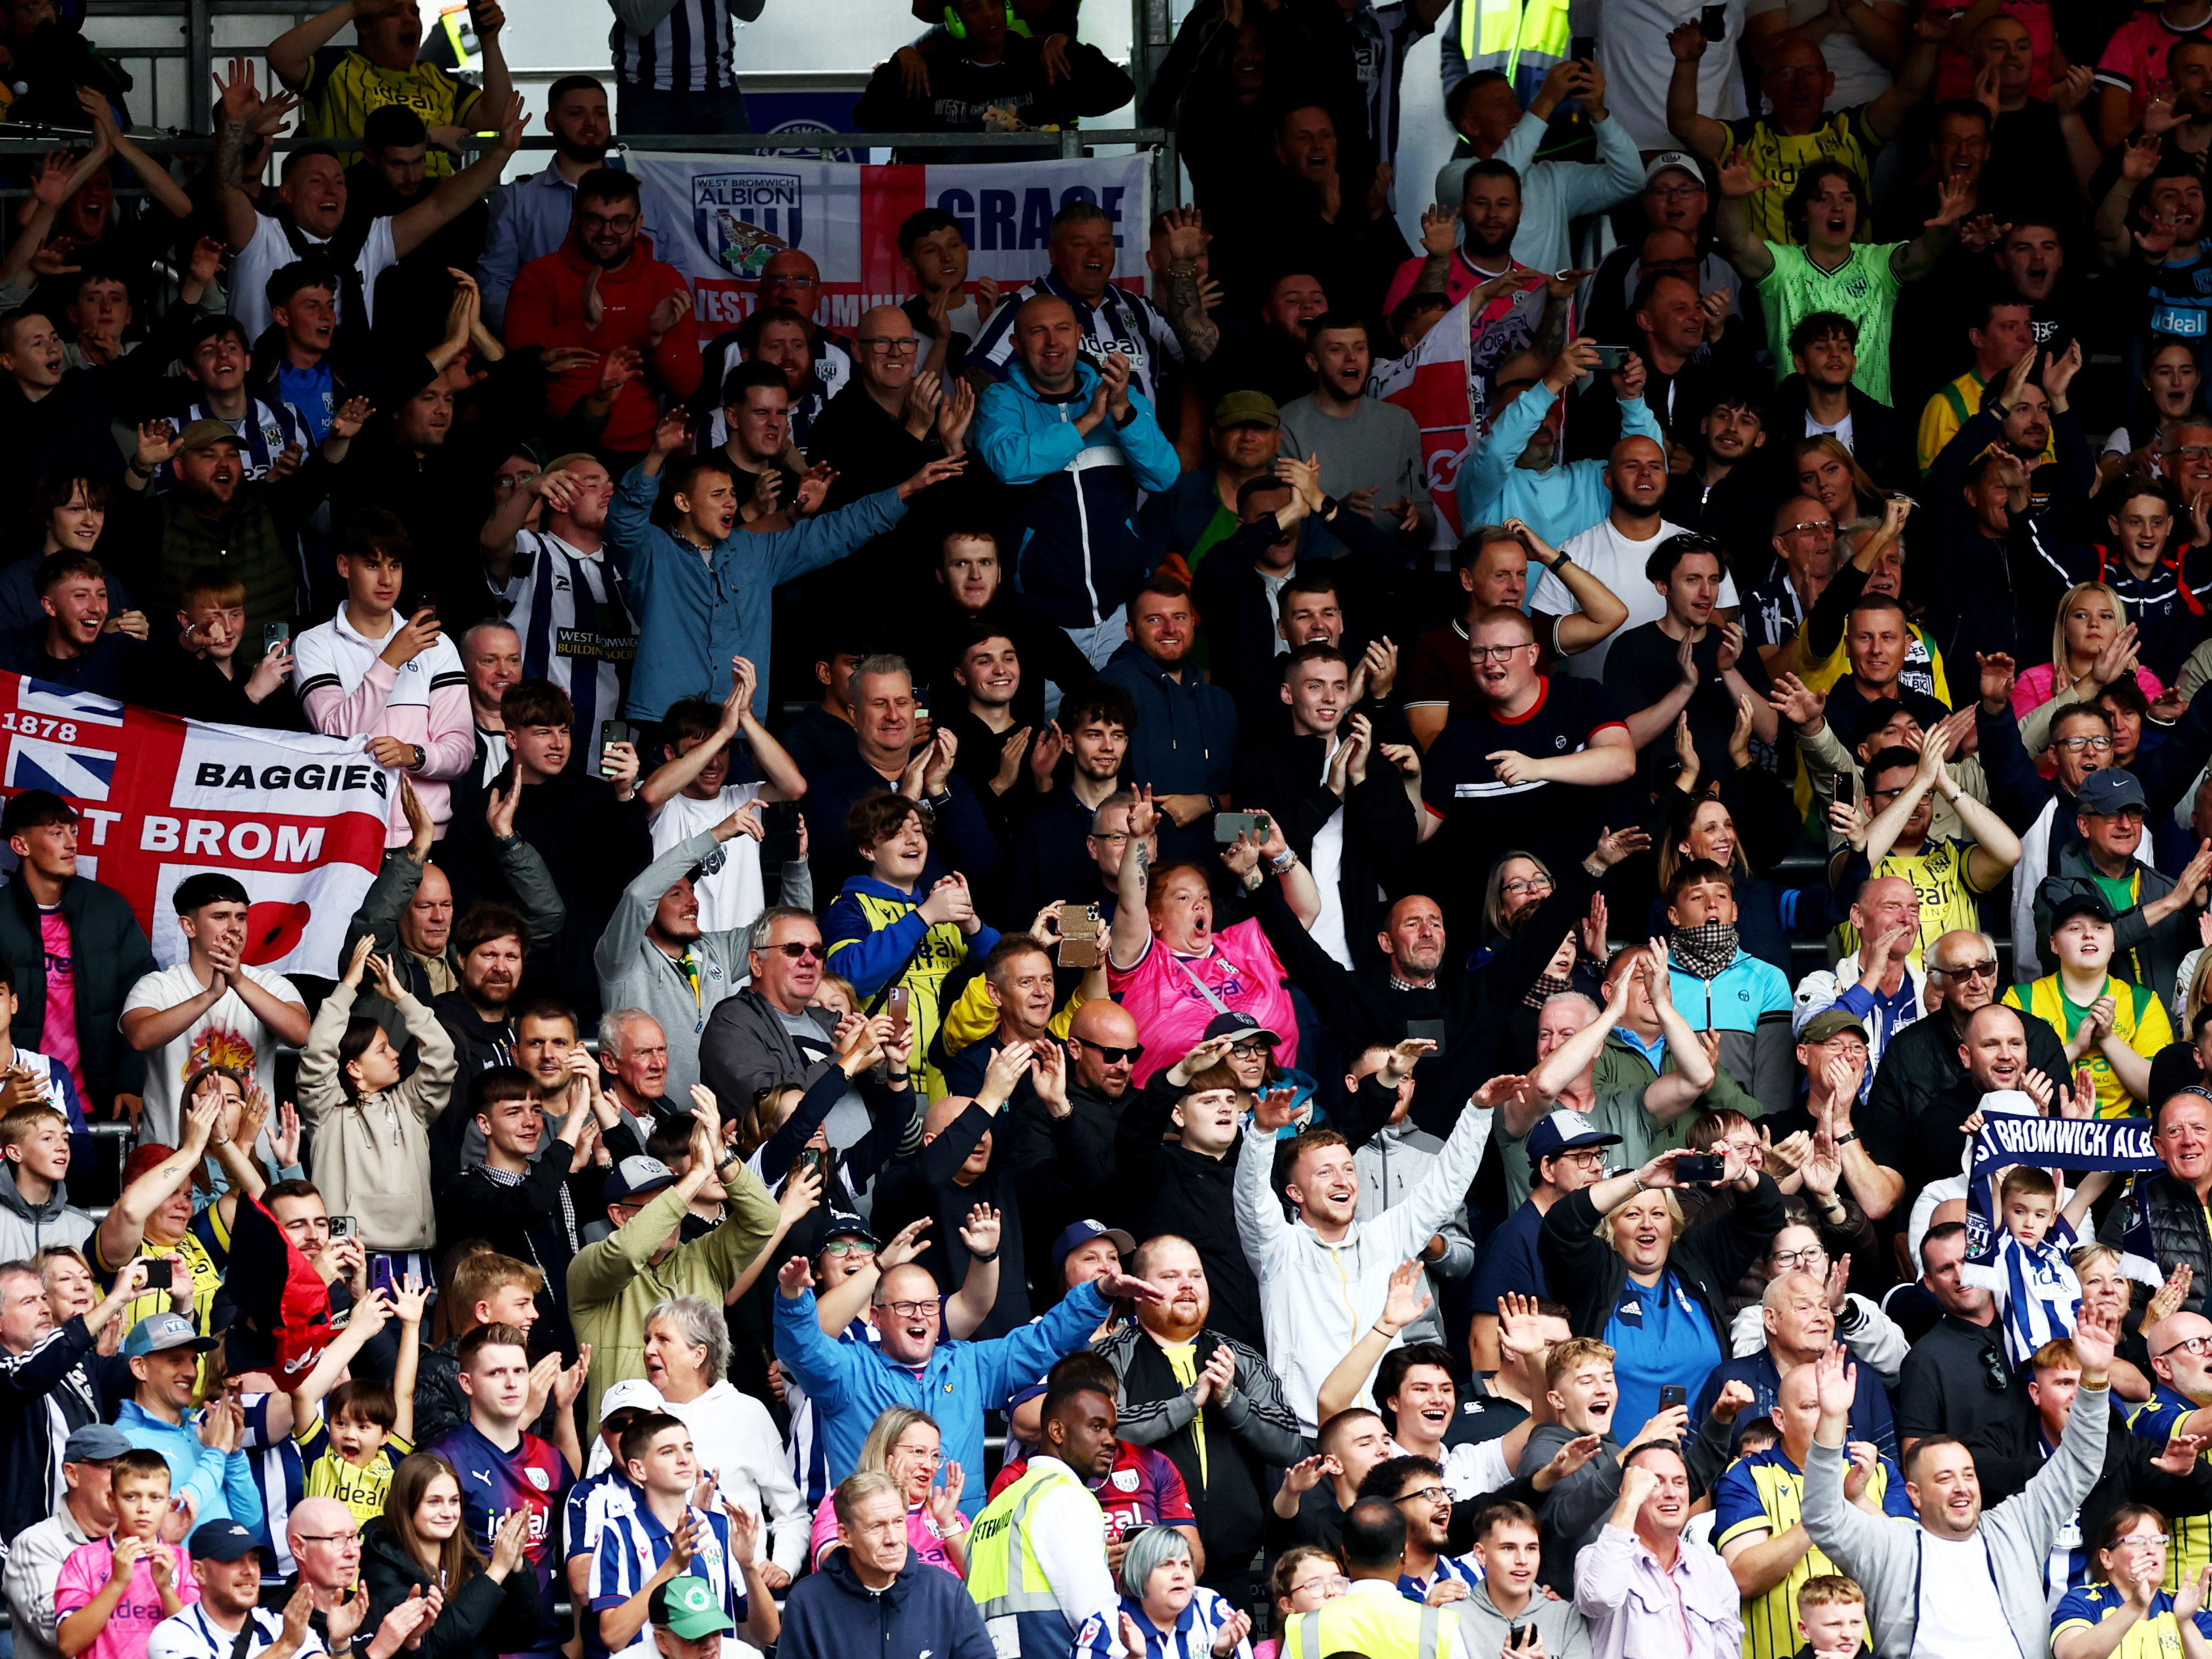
[1601,610]
[1131,934]
[1700,134]
[292,54]
[461,191]
[1752,259]
[243,120]
[124,1228]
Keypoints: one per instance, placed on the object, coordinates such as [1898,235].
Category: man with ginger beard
[1213,1405]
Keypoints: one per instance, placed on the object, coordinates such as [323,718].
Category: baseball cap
[206,434]
[159,1333]
[1230,1022]
[2065,898]
[1247,409]
[221,1541]
[1875,715]
[1077,1234]
[1565,1131]
[685,1606]
[844,1224]
[1831,1021]
[2108,789]
[633,1178]
[632,1394]
[95,1443]
[1677,160]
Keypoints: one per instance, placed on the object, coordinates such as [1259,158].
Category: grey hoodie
[1885,1555]
[1560,1624]
[27,1228]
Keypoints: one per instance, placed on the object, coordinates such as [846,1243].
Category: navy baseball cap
[2108,789]
[1230,1022]
[1077,1234]
[221,1541]
[635,1177]
[1565,1131]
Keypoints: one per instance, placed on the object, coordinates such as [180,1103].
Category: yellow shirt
[1951,408]
[342,87]
[2138,1019]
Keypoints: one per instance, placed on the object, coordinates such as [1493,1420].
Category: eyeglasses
[1256,1049]
[1804,1258]
[1113,839]
[1330,1587]
[1112,1056]
[2195,451]
[2076,746]
[2196,1344]
[792,281]
[2143,1539]
[934,1459]
[1809,528]
[848,1247]
[1985,969]
[1673,192]
[889,343]
[1425,1495]
[1499,653]
[796,948]
[909,1310]
[342,1540]
[1521,887]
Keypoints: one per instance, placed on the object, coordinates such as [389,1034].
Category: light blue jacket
[695,611]
[221,1482]
[853,1382]
[1561,500]
[1077,554]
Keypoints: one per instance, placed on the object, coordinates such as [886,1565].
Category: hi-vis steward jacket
[876,936]
[1369,1621]
[1077,556]
[1034,1566]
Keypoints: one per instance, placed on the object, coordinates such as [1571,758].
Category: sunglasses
[1115,1056]
[795,948]
[1996,1377]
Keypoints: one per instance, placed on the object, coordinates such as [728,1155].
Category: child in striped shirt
[352,1455]
[2037,1294]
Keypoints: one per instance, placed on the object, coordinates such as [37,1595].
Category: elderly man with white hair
[1800,1326]
[687,1357]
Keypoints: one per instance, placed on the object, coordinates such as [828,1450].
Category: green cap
[1247,409]
[687,1606]
[206,434]
[1832,1021]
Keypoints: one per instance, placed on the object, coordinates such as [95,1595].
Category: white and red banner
[719,221]
[1444,382]
[297,818]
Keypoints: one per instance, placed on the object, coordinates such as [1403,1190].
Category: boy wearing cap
[164,1354]
[35,1555]
[228,1621]
[2153,914]
[596,1498]
[2107,1024]
[113,1591]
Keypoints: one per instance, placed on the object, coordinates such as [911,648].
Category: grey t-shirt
[1378,444]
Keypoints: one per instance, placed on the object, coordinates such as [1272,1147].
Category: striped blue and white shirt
[576,630]
[632,1546]
[689,50]
[591,1501]
[1123,320]
[263,433]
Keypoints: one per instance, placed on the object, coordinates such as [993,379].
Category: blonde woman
[905,1444]
[2088,625]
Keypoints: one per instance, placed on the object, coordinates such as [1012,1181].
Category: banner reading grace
[297,818]
[719,221]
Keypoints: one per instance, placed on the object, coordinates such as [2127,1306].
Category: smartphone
[159,1274]
[1672,1395]
[428,601]
[809,1157]
[1701,1167]
[615,732]
[1513,1635]
[1080,936]
[1227,826]
[1612,359]
[898,1004]
[1433,1029]
[274,634]
[779,839]
[341,1226]
[381,1278]
[1583,49]
[1712,22]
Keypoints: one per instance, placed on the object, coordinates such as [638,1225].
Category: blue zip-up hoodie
[851,1384]
[1185,742]
[221,1482]
[695,611]
[1564,499]
[926,1610]
[1073,521]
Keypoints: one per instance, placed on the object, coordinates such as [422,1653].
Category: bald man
[889,420]
[1804,543]
[1614,550]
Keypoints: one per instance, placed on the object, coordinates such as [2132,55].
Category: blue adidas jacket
[1073,519]
[696,612]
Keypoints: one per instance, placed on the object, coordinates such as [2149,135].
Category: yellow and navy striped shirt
[1763,1496]
[872,929]
[2156,1420]
[2158,1637]
[342,87]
